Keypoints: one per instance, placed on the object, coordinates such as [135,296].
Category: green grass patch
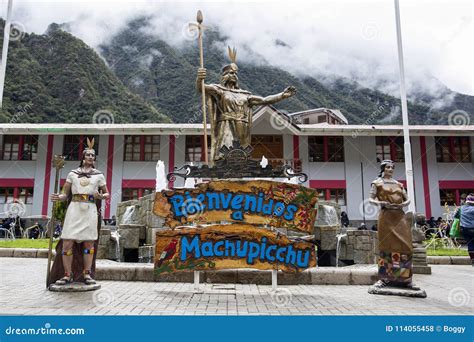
[446,252]
[26,243]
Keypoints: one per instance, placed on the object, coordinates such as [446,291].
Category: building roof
[194,129]
[335,112]
[279,121]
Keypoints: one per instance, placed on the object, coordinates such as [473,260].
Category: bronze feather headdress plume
[233,59]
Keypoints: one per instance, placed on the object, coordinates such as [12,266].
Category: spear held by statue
[58,164]
[200,28]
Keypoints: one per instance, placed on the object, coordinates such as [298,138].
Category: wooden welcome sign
[258,202]
[230,246]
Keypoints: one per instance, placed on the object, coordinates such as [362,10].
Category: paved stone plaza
[22,292]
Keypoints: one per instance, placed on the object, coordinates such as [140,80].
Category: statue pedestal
[74,287]
[397,291]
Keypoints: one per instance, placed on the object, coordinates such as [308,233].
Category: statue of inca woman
[75,253]
[231,108]
[394,230]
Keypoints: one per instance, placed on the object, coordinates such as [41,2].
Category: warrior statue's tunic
[81,223]
[394,234]
[231,117]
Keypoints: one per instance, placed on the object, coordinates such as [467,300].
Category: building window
[9,195]
[390,148]
[6,195]
[25,195]
[30,147]
[195,148]
[135,193]
[452,197]
[334,195]
[73,146]
[453,149]
[142,148]
[326,149]
[152,147]
[132,148]
[10,147]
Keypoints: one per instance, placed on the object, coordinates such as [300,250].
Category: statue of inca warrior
[84,189]
[231,108]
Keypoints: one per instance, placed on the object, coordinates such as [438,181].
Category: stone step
[421,269]
[350,275]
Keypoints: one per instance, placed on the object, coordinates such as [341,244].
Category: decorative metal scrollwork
[236,163]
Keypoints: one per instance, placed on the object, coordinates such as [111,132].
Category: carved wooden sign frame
[257,202]
[230,246]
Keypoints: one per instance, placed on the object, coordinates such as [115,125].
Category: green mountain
[55,77]
[138,77]
[165,76]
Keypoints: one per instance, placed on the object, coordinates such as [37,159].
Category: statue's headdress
[233,57]
[90,147]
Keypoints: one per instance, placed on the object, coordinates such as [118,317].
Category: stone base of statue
[74,287]
[381,289]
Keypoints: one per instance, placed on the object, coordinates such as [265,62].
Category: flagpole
[403,99]
[6,41]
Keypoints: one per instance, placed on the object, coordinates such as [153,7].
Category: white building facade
[340,160]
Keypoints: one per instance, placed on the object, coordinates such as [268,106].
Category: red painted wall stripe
[17,182]
[47,174]
[171,158]
[456,184]
[327,184]
[138,183]
[110,163]
[296,147]
[426,180]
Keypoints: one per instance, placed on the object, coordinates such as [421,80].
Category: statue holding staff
[231,108]
[84,189]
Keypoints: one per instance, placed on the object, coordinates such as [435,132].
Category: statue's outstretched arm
[260,101]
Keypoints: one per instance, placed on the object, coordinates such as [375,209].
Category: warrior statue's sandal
[88,279]
[380,284]
[64,280]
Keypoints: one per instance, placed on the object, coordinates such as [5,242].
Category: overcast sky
[353,39]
